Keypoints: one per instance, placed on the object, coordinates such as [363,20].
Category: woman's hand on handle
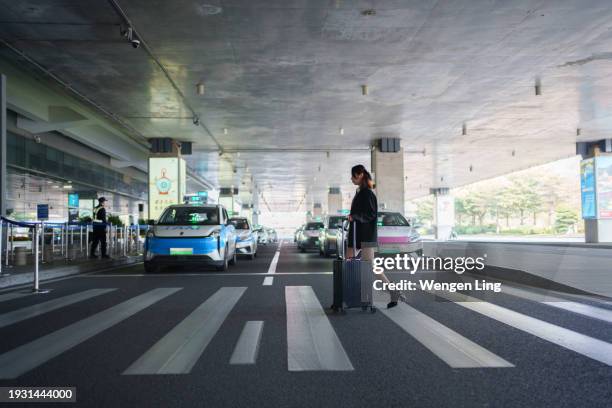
[350,218]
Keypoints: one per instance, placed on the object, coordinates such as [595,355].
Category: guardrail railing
[71,241]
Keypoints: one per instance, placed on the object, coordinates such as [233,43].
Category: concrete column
[388,174]
[334,200]
[255,210]
[3,195]
[317,210]
[443,213]
[596,189]
[167,176]
[226,198]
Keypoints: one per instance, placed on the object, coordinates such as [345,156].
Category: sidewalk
[19,275]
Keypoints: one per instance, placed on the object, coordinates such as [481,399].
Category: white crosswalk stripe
[580,343]
[451,347]
[594,312]
[48,306]
[247,347]
[312,343]
[14,295]
[15,362]
[179,350]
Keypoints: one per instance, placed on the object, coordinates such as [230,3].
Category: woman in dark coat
[364,213]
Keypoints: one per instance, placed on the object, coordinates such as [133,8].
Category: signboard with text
[604,186]
[166,183]
[587,188]
[42,212]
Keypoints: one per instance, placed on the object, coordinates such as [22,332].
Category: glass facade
[40,174]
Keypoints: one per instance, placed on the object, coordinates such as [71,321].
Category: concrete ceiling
[284,75]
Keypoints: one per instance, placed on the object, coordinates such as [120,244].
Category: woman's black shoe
[391,304]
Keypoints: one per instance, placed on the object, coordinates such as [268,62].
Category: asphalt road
[178,339]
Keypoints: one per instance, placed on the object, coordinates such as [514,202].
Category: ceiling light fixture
[364,90]
[341,130]
[368,12]
[200,89]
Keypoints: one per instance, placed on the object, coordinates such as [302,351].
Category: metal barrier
[69,241]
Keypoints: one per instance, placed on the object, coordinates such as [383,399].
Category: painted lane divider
[269,280]
[312,343]
[248,344]
[22,359]
[179,350]
[451,347]
[15,316]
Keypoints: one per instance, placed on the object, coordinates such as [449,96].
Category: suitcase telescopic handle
[354,239]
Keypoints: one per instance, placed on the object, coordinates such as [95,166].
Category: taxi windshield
[190,216]
[241,224]
[392,220]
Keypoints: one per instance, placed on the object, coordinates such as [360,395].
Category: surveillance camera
[135,43]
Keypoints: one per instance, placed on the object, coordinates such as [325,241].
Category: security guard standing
[99,229]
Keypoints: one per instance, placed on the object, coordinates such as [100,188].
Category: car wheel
[224,266]
[149,268]
[233,260]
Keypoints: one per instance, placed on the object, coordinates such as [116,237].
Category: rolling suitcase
[352,280]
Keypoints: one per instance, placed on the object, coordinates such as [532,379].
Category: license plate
[181,251]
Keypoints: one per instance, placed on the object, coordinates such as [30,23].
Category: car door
[229,231]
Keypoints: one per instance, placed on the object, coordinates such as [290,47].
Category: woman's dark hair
[366,181]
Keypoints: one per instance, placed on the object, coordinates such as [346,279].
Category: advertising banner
[587,188]
[604,186]
[166,183]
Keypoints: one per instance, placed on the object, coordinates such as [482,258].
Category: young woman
[364,212]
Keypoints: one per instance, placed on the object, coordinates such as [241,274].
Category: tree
[525,197]
[424,210]
[460,209]
[566,218]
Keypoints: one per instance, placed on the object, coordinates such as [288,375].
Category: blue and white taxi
[246,238]
[191,234]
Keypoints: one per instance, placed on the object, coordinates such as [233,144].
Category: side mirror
[151,222]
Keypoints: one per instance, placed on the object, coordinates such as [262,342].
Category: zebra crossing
[313,343]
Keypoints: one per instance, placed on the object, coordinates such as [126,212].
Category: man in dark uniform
[99,229]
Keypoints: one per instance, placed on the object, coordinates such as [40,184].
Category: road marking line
[448,345]
[179,350]
[203,275]
[247,347]
[24,358]
[268,281]
[14,295]
[28,312]
[560,303]
[582,344]
[312,343]
[272,268]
